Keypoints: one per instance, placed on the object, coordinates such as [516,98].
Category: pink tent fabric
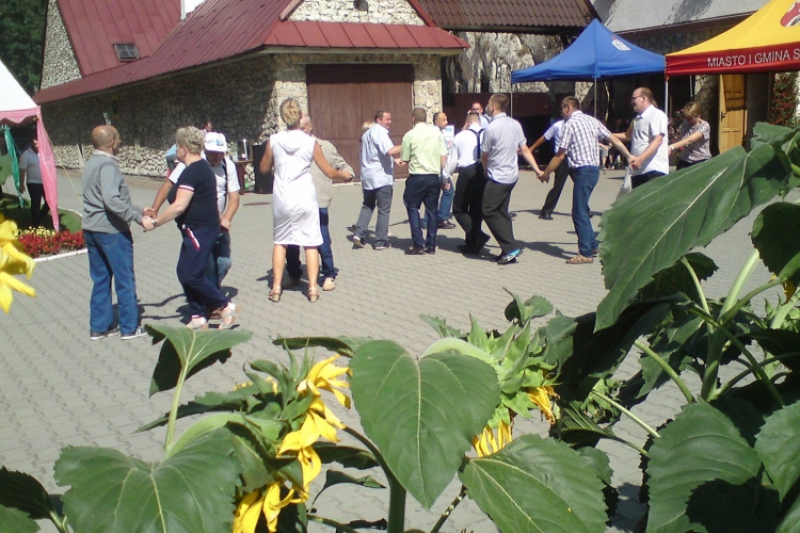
[17,107]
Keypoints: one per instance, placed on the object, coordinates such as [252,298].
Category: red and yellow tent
[767,41]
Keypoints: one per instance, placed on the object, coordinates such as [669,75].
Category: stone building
[666,26]
[233,62]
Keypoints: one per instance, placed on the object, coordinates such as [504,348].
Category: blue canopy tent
[596,55]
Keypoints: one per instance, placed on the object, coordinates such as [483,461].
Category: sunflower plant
[13,262]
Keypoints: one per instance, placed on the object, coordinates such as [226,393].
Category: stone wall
[241,99]
[60,64]
[378,12]
[486,66]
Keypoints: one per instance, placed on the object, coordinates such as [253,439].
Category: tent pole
[666,97]
[595,98]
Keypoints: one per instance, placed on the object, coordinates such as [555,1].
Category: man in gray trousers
[107,214]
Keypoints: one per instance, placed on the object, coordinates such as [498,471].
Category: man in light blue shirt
[377,181]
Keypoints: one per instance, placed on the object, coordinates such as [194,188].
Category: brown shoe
[580,260]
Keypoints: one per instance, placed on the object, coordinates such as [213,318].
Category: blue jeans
[446,203]
[219,262]
[111,256]
[422,188]
[327,269]
[584,179]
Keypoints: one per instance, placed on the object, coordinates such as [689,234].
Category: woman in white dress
[295,210]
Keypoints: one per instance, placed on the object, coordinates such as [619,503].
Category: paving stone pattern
[58,388]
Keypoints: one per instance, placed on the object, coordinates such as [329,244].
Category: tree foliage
[22,24]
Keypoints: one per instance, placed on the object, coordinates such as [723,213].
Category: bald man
[107,214]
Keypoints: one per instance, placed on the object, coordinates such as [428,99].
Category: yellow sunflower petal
[5,298]
[242,508]
[273,505]
[250,516]
[325,429]
[8,231]
[13,283]
[541,397]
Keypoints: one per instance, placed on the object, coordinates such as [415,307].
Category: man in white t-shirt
[31,174]
[648,135]
[216,147]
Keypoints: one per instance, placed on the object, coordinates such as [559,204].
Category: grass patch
[9,207]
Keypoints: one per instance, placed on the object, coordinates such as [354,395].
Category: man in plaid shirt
[579,144]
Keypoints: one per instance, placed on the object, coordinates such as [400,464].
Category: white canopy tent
[16,107]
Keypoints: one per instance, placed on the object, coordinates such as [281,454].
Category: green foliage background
[22,25]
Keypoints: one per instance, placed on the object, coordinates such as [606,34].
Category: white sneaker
[329,284]
[140,332]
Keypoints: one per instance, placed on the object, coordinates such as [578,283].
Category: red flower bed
[38,243]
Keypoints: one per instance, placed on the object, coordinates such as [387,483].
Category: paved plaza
[58,388]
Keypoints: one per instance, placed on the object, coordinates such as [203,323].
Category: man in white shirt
[216,148]
[553,134]
[478,108]
[648,135]
[30,173]
[465,158]
[502,142]
[377,181]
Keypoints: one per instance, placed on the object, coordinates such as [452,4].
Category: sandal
[275,294]
[580,260]
[227,315]
[313,294]
[198,323]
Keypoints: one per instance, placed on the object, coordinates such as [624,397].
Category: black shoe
[510,257]
[430,250]
[97,335]
[446,225]
[482,240]
[513,215]
[415,250]
[546,216]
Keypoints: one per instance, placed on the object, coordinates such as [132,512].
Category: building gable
[95,26]
[371,12]
[632,15]
[60,64]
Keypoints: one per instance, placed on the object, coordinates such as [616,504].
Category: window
[126,51]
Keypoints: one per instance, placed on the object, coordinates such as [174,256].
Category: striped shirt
[579,137]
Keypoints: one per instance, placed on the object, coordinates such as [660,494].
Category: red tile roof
[532,16]
[223,29]
[94,26]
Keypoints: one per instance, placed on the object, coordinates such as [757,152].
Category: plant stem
[746,299]
[397,506]
[173,412]
[397,494]
[668,369]
[332,523]
[635,447]
[747,372]
[625,411]
[783,312]
[446,514]
[755,367]
[715,343]
[696,280]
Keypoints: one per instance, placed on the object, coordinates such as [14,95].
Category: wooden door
[732,111]
[341,98]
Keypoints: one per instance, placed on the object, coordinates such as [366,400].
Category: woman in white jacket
[294,199]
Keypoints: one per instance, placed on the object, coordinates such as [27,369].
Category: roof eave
[267,50]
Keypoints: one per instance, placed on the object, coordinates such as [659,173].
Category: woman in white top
[295,210]
[695,138]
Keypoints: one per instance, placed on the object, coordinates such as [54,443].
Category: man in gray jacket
[107,214]
[324,187]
